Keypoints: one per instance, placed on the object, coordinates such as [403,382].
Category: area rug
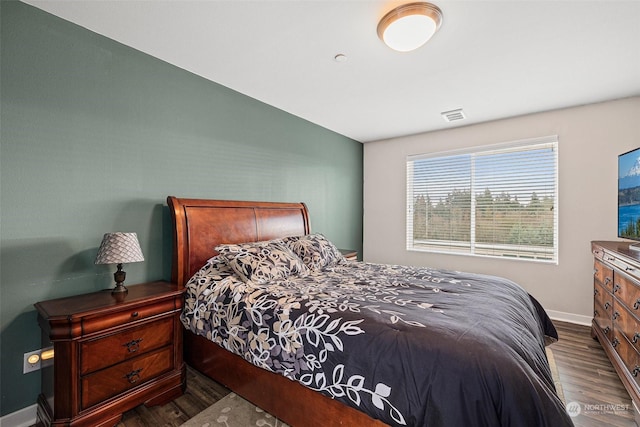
[233,411]
[555,374]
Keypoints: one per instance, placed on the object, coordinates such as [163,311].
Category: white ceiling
[494,59]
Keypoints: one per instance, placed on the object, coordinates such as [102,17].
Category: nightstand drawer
[109,382]
[131,342]
[101,323]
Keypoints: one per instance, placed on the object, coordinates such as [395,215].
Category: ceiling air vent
[453,115]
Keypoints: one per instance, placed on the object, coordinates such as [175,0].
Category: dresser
[112,352]
[616,310]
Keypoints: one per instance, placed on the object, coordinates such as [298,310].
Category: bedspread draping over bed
[407,345]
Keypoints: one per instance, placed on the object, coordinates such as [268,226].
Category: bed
[432,347]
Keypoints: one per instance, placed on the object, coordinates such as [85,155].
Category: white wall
[590,139]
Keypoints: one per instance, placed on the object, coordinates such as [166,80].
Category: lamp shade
[119,248]
[409,26]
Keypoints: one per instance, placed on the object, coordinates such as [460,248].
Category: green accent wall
[95,135]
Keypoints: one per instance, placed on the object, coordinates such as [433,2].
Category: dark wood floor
[201,393]
[586,375]
[588,378]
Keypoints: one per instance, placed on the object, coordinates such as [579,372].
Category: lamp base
[120,288]
[119,277]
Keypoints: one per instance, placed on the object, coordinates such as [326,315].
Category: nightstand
[349,254]
[111,354]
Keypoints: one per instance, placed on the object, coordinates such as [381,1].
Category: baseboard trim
[569,317]
[24,417]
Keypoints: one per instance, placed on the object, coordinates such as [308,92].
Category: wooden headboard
[200,225]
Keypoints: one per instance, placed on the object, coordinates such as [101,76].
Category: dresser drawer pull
[595,313]
[616,315]
[607,305]
[636,371]
[607,280]
[595,271]
[636,305]
[595,292]
[629,268]
[607,330]
[133,345]
[134,314]
[616,287]
[636,337]
[133,376]
[615,342]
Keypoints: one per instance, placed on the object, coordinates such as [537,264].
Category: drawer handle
[636,305]
[134,314]
[607,280]
[595,313]
[607,330]
[595,292]
[636,371]
[616,287]
[133,345]
[636,337]
[607,305]
[615,342]
[629,268]
[595,271]
[133,376]
[616,315]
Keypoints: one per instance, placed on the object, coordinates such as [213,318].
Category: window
[498,201]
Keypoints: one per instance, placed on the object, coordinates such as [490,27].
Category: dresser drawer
[91,324]
[627,291]
[597,251]
[131,342]
[603,274]
[628,354]
[604,298]
[621,265]
[603,309]
[625,322]
[602,317]
[112,381]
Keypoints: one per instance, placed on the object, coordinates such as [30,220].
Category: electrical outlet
[27,365]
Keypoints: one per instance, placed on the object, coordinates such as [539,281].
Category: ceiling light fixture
[409,26]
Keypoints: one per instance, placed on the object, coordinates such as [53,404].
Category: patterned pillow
[217,268]
[315,250]
[204,289]
[262,262]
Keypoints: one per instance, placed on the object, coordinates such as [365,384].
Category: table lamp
[119,248]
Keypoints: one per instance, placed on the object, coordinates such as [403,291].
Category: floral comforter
[409,346]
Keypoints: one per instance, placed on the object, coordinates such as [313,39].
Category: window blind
[498,201]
